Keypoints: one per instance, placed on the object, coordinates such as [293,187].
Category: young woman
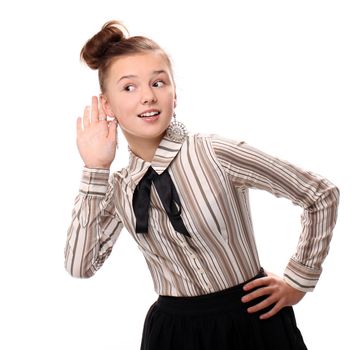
[184,199]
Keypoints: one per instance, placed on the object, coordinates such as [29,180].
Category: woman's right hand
[97,141]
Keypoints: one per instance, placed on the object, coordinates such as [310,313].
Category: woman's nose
[148,96]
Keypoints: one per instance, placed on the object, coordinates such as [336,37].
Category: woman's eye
[127,87]
[159,81]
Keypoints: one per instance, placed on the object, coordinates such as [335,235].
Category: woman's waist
[219,300]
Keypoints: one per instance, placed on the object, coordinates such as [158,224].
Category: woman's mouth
[149,117]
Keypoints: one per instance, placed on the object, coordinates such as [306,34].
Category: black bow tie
[168,195]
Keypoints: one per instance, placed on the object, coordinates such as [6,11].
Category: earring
[176,130]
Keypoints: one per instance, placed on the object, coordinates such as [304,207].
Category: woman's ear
[106,106]
[175,100]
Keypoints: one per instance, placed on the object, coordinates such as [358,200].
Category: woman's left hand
[278,292]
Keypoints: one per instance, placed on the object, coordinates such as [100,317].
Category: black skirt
[217,321]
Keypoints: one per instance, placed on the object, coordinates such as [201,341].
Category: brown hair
[111,42]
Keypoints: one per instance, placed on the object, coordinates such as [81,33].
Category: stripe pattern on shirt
[212,175]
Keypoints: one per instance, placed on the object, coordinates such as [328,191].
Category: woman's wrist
[97,166]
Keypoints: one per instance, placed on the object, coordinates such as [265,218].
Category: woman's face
[135,84]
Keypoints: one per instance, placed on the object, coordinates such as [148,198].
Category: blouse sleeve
[249,167]
[95,225]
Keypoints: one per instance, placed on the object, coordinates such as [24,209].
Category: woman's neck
[144,148]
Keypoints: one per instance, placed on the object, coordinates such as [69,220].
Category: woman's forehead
[139,65]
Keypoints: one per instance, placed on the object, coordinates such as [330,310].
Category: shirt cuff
[94,181]
[301,277]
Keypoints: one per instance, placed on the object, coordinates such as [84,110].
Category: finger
[262,305]
[271,312]
[102,114]
[256,283]
[79,127]
[95,110]
[112,135]
[256,294]
[86,116]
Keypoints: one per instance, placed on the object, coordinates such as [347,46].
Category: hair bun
[94,50]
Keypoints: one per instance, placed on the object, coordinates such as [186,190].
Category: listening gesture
[97,138]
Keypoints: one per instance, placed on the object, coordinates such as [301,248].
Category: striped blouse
[212,175]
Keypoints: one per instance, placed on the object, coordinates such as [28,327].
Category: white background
[282,75]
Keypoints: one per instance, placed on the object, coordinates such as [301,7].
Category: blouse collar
[164,154]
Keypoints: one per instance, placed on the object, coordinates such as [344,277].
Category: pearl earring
[176,130]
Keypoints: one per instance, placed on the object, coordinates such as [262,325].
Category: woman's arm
[249,167]
[95,225]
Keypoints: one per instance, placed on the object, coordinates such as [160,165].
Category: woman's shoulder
[119,175]
[215,138]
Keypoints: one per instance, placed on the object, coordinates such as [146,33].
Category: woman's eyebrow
[135,76]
